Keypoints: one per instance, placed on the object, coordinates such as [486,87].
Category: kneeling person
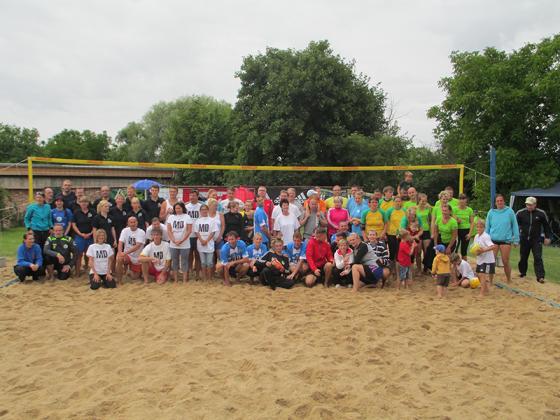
[319,258]
[234,259]
[131,243]
[156,258]
[100,256]
[276,267]
[367,268]
[60,253]
[29,259]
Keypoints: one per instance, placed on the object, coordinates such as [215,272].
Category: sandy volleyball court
[206,351]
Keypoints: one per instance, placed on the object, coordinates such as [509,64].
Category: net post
[461,178]
[30,178]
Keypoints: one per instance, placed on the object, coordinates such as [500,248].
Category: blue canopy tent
[548,199]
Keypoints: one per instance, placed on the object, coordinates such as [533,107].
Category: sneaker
[541,280]
[337,286]
[522,275]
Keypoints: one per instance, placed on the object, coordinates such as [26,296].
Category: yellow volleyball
[474,282]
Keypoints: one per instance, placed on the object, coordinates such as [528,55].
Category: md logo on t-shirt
[101,253]
[158,255]
[195,214]
[204,228]
[178,224]
[234,254]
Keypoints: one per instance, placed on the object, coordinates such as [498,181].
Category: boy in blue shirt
[234,259]
[61,216]
[261,222]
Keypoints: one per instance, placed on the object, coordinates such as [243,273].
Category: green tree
[510,101]
[17,143]
[73,144]
[307,108]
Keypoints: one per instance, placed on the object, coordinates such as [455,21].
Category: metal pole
[461,179]
[30,179]
[492,176]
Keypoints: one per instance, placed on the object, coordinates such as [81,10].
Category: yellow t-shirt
[394,217]
[374,221]
[329,202]
[386,205]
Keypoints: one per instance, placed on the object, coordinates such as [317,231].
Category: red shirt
[318,253]
[403,258]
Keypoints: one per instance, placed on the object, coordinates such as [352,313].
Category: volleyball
[474,282]
[475,249]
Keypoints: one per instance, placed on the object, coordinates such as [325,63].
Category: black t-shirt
[120,219]
[247,236]
[84,220]
[69,200]
[233,221]
[105,223]
[77,207]
[152,207]
[141,216]
[405,185]
[270,255]
[110,200]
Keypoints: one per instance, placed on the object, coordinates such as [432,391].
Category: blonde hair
[101,204]
[211,202]
[99,232]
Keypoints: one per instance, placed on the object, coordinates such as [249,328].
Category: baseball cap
[531,200]
[311,193]
[439,248]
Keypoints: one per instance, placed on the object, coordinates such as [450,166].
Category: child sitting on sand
[462,272]
[484,248]
[407,249]
[343,260]
[441,270]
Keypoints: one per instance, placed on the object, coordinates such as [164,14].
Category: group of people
[352,241]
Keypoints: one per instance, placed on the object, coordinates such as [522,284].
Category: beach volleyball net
[207,167]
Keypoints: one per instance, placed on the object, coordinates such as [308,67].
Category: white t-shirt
[286,225]
[193,210]
[179,224]
[225,204]
[484,241]
[207,227]
[101,254]
[164,235]
[159,252]
[292,209]
[465,270]
[217,219]
[130,238]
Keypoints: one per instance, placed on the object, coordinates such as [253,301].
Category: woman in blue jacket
[501,225]
[29,259]
[38,218]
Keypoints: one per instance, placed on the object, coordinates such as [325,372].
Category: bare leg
[78,267]
[357,273]
[328,273]
[145,272]
[505,251]
[310,280]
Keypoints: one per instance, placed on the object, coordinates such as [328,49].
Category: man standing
[193,210]
[267,205]
[153,204]
[337,192]
[261,221]
[68,195]
[533,225]
[230,198]
[105,193]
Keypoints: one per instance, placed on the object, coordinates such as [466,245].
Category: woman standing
[445,229]
[102,220]
[359,207]
[218,219]
[312,219]
[501,225]
[179,228]
[83,230]
[286,223]
[393,218]
[465,219]
[138,212]
[119,215]
[335,215]
[38,218]
[424,214]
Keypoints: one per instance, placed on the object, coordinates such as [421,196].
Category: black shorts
[426,235]
[443,280]
[193,243]
[486,268]
[233,271]
[501,242]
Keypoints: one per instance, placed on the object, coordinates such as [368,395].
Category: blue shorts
[82,244]
[403,273]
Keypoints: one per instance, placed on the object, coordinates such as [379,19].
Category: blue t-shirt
[260,217]
[256,253]
[356,213]
[61,217]
[293,254]
[227,253]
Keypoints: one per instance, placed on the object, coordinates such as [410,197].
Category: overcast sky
[101,64]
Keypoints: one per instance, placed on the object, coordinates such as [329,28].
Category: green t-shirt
[424,216]
[436,212]
[464,215]
[445,230]
[454,203]
[408,204]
